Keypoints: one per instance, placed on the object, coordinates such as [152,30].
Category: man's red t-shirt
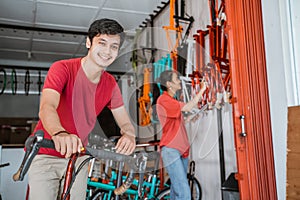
[174,133]
[80,99]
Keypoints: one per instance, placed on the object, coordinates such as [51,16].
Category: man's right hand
[203,86]
[67,144]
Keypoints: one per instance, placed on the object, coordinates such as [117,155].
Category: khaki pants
[46,178]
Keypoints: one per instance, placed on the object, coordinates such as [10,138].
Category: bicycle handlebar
[136,163]
[34,143]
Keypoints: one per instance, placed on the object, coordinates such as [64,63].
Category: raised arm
[126,144]
[192,103]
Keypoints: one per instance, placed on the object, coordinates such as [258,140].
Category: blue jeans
[177,169]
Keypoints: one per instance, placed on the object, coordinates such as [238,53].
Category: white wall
[294,18]
[281,31]
[277,90]
[204,139]
[9,189]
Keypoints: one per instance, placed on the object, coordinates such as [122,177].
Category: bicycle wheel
[97,195]
[164,194]
[196,191]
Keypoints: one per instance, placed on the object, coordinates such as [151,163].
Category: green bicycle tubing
[4,80]
[109,187]
[150,185]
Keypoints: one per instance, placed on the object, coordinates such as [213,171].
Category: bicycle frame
[151,188]
[147,187]
[69,177]
[144,100]
[177,28]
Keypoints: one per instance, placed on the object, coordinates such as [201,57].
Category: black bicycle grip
[47,143]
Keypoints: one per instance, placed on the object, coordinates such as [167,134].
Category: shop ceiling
[35,32]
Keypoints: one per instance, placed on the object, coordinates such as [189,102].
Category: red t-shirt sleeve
[57,77]
[116,98]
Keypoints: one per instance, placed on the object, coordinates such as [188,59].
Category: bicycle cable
[205,137]
[213,146]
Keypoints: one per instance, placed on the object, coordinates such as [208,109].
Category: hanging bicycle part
[175,26]
[40,83]
[216,92]
[27,82]
[216,72]
[144,100]
[21,80]
[13,82]
[2,81]
[200,49]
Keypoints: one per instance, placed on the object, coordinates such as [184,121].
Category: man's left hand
[126,144]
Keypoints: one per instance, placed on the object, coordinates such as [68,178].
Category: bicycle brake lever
[32,146]
[142,163]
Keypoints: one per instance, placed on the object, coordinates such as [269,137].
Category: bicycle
[151,187]
[135,164]
[142,188]
[146,189]
[103,178]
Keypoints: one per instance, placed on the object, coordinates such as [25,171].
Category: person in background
[74,93]
[174,142]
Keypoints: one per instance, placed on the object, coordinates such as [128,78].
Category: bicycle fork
[69,176]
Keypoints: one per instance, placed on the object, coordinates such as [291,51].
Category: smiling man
[75,92]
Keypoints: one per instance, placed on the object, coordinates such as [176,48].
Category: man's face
[104,49]
[176,83]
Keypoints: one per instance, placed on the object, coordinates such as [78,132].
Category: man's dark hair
[108,27]
[164,77]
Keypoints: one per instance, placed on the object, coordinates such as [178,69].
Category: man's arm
[65,143]
[48,104]
[192,103]
[126,143]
